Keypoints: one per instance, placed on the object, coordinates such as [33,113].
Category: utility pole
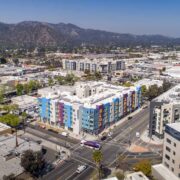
[16,138]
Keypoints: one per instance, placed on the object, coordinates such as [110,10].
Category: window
[168,140]
[174,144]
[173,161]
[172,169]
[174,153]
[167,157]
[168,149]
[166,164]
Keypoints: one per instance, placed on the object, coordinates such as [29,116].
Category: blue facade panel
[68,116]
[44,108]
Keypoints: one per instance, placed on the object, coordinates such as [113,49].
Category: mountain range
[32,33]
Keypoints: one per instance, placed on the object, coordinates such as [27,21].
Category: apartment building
[170,167]
[102,65]
[88,106]
[163,110]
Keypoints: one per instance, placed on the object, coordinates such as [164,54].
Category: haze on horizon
[122,16]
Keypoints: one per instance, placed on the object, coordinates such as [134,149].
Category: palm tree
[97,158]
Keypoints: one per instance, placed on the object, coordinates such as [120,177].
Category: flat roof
[25,101]
[4,127]
[106,93]
[175,126]
[7,148]
[136,176]
[164,172]
[172,95]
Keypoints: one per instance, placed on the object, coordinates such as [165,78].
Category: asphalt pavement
[112,148]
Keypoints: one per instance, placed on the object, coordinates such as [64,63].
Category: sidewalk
[120,122]
[86,135]
[154,140]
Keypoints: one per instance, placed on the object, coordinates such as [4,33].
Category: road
[112,148]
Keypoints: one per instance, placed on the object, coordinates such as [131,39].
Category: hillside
[31,33]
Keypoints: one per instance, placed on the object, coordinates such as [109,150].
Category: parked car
[64,134]
[103,138]
[110,134]
[52,130]
[137,134]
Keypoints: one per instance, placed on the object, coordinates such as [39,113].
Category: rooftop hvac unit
[172,96]
[177,90]
[178,98]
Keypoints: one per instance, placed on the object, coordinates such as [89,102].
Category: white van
[64,134]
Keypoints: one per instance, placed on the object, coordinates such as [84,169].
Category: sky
[122,16]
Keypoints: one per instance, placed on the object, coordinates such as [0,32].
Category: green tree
[26,88]
[128,84]
[152,92]
[144,166]
[143,90]
[164,69]
[33,85]
[97,158]
[3,60]
[32,162]
[98,75]
[12,120]
[166,86]
[50,81]
[120,176]
[19,89]
[1,96]
[60,80]
[70,79]
[10,108]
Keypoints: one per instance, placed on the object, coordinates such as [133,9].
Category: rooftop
[149,82]
[164,172]
[24,101]
[9,158]
[3,127]
[104,93]
[175,126]
[170,96]
[136,176]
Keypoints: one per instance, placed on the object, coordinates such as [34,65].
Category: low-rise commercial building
[26,103]
[89,106]
[170,167]
[4,129]
[163,110]
[10,155]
